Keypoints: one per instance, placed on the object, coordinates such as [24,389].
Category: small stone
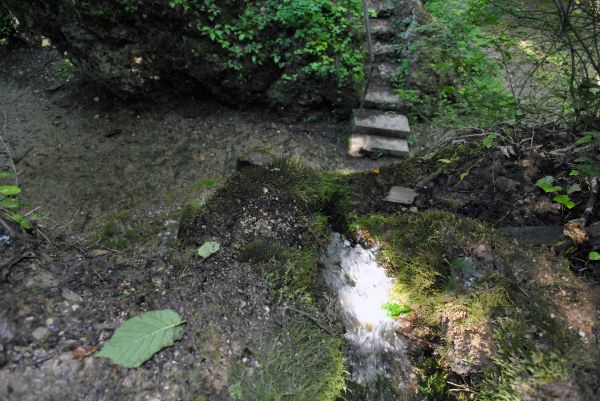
[96,99]
[507,185]
[49,321]
[41,333]
[71,296]
[402,195]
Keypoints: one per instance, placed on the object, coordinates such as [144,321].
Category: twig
[589,208]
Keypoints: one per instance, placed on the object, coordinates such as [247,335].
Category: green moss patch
[300,363]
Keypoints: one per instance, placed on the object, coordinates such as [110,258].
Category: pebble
[71,296]
[41,333]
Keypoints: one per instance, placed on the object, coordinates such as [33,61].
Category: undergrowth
[457,83]
[319,38]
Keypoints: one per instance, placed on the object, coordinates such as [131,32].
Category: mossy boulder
[285,53]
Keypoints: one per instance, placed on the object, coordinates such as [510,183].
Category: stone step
[380,28]
[375,122]
[383,8]
[385,71]
[361,144]
[385,51]
[382,98]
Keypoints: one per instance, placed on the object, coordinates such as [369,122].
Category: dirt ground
[83,157]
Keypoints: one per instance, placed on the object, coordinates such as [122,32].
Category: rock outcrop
[240,52]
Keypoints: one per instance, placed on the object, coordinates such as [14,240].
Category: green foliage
[7,28]
[321,35]
[433,383]
[9,201]
[488,141]
[394,310]
[546,184]
[139,338]
[468,89]
[564,200]
[594,256]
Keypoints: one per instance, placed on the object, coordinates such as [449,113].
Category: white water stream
[362,287]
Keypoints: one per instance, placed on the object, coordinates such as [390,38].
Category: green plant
[321,39]
[547,185]
[393,309]
[9,201]
[455,83]
[7,27]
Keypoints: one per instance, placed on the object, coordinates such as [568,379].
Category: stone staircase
[379,127]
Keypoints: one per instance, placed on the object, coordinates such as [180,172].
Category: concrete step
[382,98]
[381,28]
[385,51]
[379,123]
[361,144]
[383,8]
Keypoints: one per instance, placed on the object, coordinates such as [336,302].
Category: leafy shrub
[320,35]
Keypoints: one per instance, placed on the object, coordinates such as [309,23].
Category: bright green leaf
[594,255]
[9,190]
[139,338]
[23,222]
[565,201]
[574,173]
[574,188]
[488,141]
[445,161]
[582,160]
[546,184]
[464,175]
[393,309]
[208,248]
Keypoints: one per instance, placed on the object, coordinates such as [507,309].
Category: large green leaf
[9,190]
[139,338]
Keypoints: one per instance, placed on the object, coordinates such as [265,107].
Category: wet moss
[417,249]
[301,363]
[291,273]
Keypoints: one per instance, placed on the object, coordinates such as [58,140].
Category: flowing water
[377,353]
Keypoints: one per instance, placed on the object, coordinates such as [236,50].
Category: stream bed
[377,357]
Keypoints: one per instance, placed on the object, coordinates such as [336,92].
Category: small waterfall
[378,354]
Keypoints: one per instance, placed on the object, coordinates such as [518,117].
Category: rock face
[133,46]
